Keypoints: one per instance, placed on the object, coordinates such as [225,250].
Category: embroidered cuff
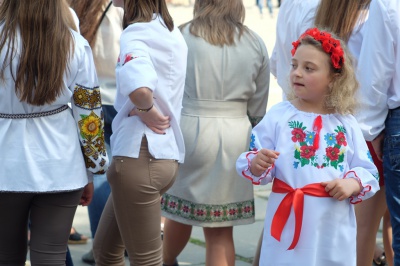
[256,180]
[367,188]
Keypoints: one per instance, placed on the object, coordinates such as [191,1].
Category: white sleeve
[137,69]
[376,68]
[262,136]
[87,112]
[361,166]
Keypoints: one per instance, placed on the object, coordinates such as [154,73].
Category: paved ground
[246,236]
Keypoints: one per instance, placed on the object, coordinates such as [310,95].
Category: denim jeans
[391,166]
[101,187]
[260,5]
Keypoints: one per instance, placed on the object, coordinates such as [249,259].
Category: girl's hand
[153,119]
[263,160]
[342,189]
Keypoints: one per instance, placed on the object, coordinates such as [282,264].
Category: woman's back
[225,73]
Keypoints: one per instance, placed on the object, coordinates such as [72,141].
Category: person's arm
[138,79]
[376,69]
[257,104]
[87,111]
[360,179]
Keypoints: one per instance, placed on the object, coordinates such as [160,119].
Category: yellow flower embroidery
[91,126]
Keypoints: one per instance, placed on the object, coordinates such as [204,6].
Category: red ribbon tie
[295,198]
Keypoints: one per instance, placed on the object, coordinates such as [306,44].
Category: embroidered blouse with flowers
[51,148]
[313,148]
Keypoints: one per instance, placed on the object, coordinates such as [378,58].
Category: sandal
[77,238]
[380,261]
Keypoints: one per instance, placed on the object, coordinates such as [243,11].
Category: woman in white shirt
[147,142]
[44,174]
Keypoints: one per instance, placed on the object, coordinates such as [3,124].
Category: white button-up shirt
[379,66]
[294,18]
[151,56]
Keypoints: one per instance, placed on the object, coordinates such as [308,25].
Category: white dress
[224,86]
[328,231]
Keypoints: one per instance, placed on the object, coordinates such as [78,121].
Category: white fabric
[379,66]
[328,235]
[159,63]
[295,16]
[106,51]
[44,154]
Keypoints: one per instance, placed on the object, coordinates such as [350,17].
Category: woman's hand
[264,159]
[87,194]
[377,144]
[342,189]
[153,119]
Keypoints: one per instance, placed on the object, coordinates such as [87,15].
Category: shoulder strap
[103,16]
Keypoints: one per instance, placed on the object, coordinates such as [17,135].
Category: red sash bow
[295,198]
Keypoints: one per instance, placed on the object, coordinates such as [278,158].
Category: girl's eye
[293,66]
[309,69]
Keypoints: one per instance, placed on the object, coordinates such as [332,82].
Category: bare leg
[220,249]
[256,260]
[387,238]
[176,236]
[368,214]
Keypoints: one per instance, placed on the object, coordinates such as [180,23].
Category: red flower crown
[329,45]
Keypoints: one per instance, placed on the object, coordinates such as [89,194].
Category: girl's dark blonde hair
[46,43]
[217,21]
[341,16]
[142,11]
[89,13]
[341,96]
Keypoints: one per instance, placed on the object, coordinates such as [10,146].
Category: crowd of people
[117,108]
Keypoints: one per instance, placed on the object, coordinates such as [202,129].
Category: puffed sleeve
[137,69]
[361,166]
[87,112]
[257,104]
[262,136]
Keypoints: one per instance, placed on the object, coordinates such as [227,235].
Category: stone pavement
[245,236]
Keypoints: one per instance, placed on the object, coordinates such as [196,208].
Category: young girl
[313,150]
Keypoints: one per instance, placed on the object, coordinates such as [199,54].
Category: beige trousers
[131,217]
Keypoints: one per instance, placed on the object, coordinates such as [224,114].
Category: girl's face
[311,75]
[118,3]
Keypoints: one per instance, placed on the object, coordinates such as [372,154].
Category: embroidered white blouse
[379,66]
[328,232]
[45,154]
[151,56]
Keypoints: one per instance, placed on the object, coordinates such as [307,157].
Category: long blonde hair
[89,13]
[46,44]
[340,16]
[142,11]
[217,21]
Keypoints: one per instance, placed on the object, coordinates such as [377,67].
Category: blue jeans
[391,167]
[101,187]
[260,5]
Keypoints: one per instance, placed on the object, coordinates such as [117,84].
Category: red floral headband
[329,45]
